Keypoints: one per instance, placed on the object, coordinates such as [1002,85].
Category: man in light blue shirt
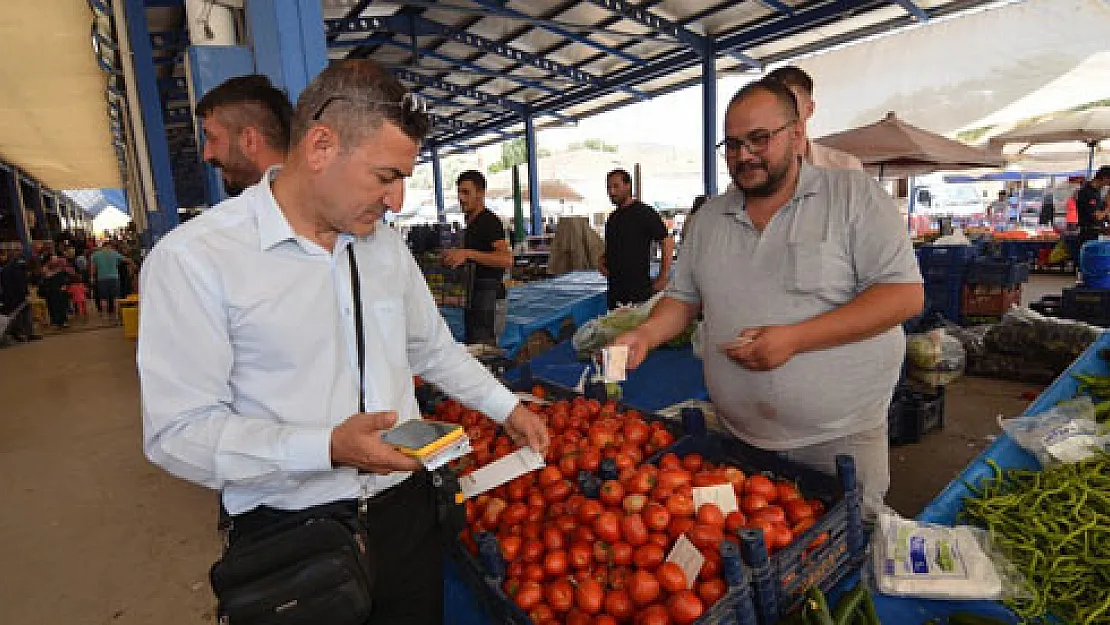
[248,353]
[104,265]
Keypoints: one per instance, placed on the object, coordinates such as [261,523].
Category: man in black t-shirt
[485,245]
[629,233]
[1090,206]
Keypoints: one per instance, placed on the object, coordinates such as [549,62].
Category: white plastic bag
[1067,432]
[913,559]
[935,357]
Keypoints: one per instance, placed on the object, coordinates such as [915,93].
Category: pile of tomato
[576,559]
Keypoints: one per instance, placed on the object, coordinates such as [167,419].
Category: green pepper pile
[1054,526]
[1098,387]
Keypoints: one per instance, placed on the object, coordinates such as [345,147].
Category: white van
[958,200]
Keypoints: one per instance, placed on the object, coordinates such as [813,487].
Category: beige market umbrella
[890,147]
[1087,127]
[549,190]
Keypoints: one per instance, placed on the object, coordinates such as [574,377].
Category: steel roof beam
[787,25]
[776,5]
[459,90]
[524,82]
[911,7]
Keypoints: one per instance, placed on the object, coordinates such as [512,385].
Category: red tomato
[553,539]
[515,513]
[680,505]
[660,439]
[692,462]
[589,459]
[634,503]
[734,521]
[558,491]
[531,550]
[636,431]
[607,526]
[528,595]
[711,568]
[643,588]
[589,596]
[619,605]
[648,556]
[661,539]
[669,461]
[679,526]
[767,528]
[685,607]
[654,615]
[605,619]
[785,491]
[566,524]
[559,595]
[818,507]
[620,554]
[517,491]
[711,590]
[706,537]
[656,517]
[710,514]
[633,529]
[589,510]
[549,475]
[510,547]
[533,573]
[580,556]
[781,536]
[773,514]
[798,509]
[710,478]
[642,482]
[612,493]
[585,534]
[761,485]
[619,576]
[671,577]
[673,478]
[568,465]
[555,563]
[753,502]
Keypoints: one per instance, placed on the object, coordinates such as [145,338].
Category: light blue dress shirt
[247,353]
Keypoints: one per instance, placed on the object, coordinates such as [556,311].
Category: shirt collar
[808,185]
[273,227]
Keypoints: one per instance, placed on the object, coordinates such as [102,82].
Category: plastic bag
[1067,432]
[934,357]
[913,559]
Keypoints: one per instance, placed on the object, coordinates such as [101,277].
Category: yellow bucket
[129,315]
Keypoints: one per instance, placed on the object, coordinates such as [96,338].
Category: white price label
[687,557]
[723,495]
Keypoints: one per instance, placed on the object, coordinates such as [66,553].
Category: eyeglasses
[756,141]
[410,103]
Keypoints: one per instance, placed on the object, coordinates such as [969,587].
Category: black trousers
[480,316]
[22,326]
[404,539]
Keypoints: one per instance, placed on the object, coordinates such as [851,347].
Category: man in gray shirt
[804,276]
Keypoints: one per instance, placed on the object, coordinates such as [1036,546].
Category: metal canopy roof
[486,64]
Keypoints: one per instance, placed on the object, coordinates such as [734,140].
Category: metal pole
[437,182]
[709,120]
[533,175]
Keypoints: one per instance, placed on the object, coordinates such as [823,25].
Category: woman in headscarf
[53,290]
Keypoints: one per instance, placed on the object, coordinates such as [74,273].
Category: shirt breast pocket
[388,316]
[809,267]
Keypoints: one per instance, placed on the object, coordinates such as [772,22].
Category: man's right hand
[638,346]
[357,442]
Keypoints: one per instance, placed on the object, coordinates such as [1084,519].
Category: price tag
[614,363]
[512,466]
[687,557]
[722,495]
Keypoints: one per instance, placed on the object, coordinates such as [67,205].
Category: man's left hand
[527,428]
[660,283]
[763,349]
[454,258]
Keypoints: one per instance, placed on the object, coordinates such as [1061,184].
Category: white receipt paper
[614,363]
[687,557]
[722,495]
[497,473]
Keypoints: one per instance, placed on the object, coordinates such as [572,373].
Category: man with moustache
[280,335]
[804,276]
[246,129]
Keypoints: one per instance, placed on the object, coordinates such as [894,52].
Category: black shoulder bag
[307,569]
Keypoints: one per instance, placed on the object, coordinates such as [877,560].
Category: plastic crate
[997,272]
[450,287]
[1023,251]
[989,301]
[913,414]
[939,275]
[780,581]
[1084,304]
[944,300]
[1049,306]
[934,255]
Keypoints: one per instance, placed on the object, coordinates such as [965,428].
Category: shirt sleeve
[434,354]
[882,252]
[683,285]
[185,360]
[656,228]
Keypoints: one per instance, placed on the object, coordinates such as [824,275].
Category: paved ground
[92,533]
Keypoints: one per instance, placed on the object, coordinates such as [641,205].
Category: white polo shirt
[837,236]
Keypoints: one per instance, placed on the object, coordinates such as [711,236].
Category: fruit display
[587,538]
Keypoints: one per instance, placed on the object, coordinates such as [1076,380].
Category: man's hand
[454,258]
[638,346]
[527,428]
[660,283]
[357,442]
[763,349]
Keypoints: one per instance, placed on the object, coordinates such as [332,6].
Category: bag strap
[360,341]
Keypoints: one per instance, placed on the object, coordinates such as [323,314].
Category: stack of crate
[944,268]
[992,287]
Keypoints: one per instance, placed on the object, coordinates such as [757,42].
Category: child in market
[79,297]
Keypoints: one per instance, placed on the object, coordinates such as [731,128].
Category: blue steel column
[709,120]
[533,175]
[287,37]
[164,218]
[437,181]
[18,209]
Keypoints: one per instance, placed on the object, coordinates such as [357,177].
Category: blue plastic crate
[943,274]
[932,255]
[997,272]
[945,300]
[779,585]
[1023,251]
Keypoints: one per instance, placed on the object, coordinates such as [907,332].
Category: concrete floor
[92,533]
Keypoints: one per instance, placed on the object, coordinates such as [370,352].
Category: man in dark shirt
[1089,205]
[629,232]
[485,245]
